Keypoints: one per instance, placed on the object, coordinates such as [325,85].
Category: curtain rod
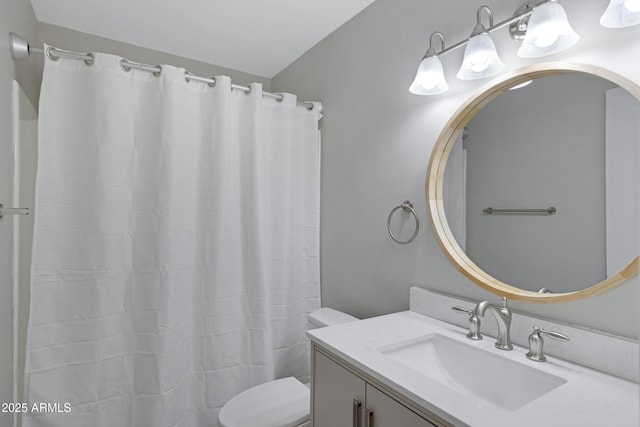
[21,49]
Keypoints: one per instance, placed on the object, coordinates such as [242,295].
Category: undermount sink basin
[467,369]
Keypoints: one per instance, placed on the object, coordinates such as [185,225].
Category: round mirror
[532,185]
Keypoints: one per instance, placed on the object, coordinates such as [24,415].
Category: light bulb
[429,79]
[480,58]
[479,67]
[546,39]
[548,32]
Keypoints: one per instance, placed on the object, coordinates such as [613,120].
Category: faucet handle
[462,309]
[504,307]
[536,342]
[474,322]
[553,334]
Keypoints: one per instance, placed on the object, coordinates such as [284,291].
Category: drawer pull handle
[368,418]
[356,412]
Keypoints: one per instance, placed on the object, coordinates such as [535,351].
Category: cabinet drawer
[387,412]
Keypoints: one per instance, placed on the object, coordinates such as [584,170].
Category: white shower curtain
[176,249]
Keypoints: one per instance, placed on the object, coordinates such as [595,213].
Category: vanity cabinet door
[333,394]
[384,411]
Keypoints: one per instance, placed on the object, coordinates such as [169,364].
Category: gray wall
[377,139]
[539,146]
[16,16]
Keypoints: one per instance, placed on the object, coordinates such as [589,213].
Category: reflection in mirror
[570,141]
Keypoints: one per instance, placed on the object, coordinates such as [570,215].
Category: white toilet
[279,403]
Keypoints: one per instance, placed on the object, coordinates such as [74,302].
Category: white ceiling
[260,37]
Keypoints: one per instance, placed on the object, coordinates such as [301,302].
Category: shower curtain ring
[123,65]
[50,54]
[90,61]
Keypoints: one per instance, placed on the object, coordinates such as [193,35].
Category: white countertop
[588,398]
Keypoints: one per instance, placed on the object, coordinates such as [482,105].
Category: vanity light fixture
[480,56]
[542,25]
[430,76]
[548,31]
[621,13]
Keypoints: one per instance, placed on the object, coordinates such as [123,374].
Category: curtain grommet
[91,61]
[188,76]
[50,54]
[123,66]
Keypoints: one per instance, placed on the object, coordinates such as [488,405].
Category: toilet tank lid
[327,316]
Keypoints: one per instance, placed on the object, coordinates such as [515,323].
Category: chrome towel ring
[406,206]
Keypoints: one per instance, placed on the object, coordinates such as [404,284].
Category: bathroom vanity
[410,369]
[336,383]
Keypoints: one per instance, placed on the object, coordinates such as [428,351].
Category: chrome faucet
[474,322]
[536,343]
[503,317]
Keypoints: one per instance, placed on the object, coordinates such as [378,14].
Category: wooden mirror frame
[435,182]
